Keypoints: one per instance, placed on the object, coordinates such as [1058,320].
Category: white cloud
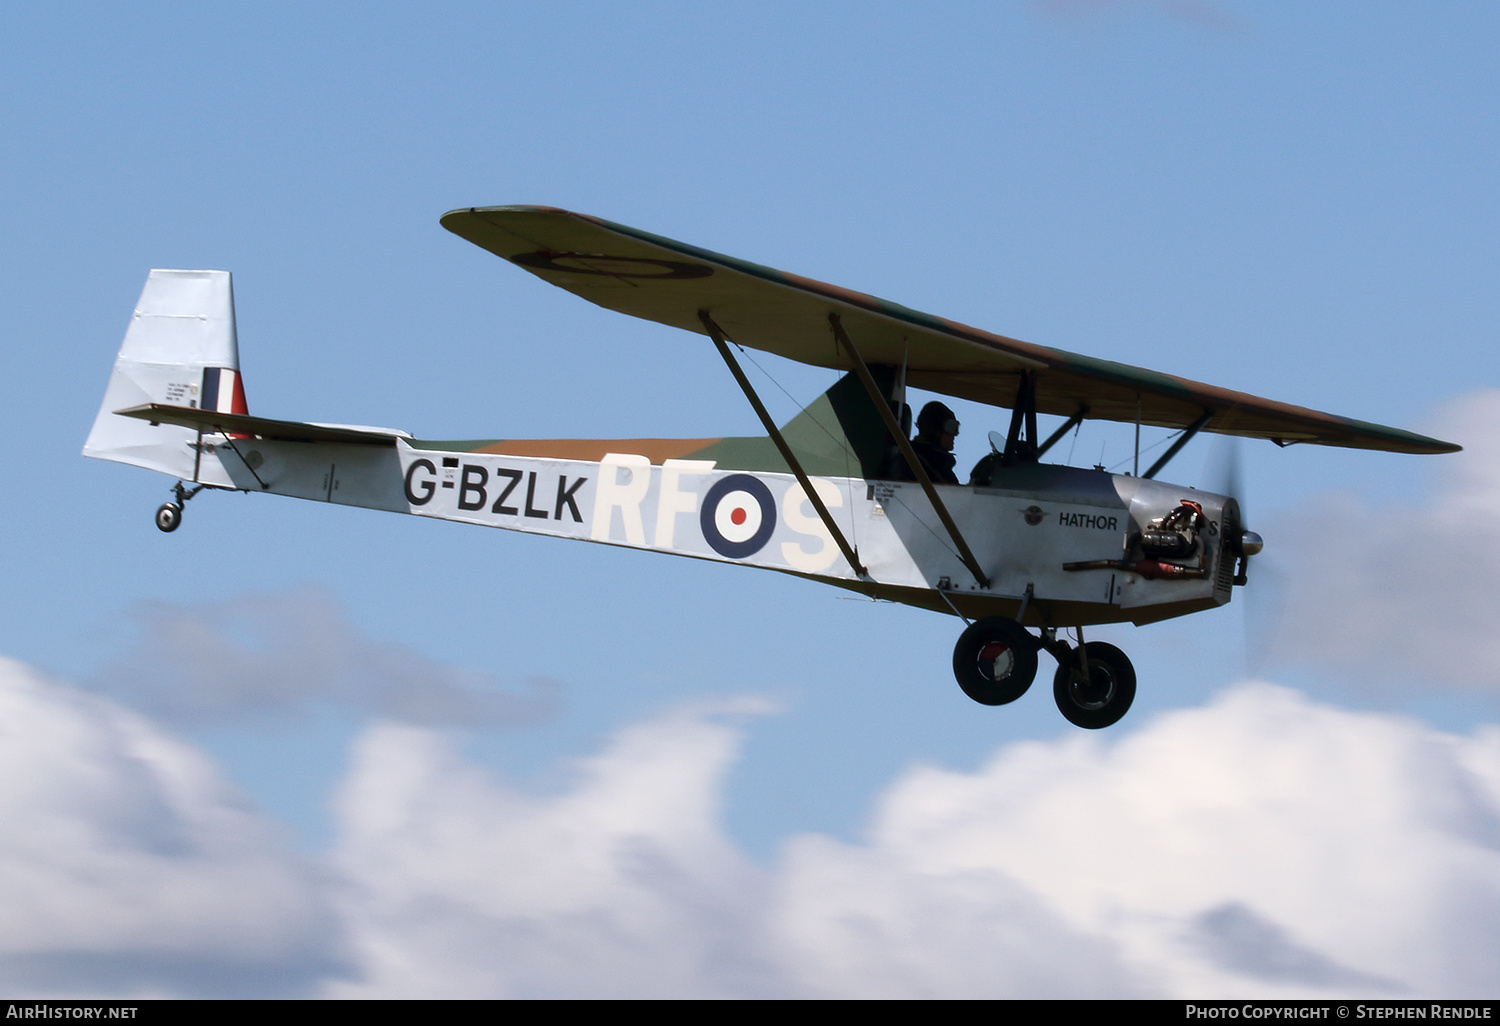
[1262,845]
[1472,478]
[276,653]
[622,885]
[861,920]
[128,867]
[1402,595]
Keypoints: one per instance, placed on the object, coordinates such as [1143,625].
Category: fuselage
[1033,521]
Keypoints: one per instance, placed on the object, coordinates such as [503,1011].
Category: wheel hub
[1095,693]
[996,660]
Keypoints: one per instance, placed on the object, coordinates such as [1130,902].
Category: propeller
[1225,477]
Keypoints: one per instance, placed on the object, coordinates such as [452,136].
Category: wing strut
[1068,425]
[907,451]
[850,553]
[1184,439]
[1023,414]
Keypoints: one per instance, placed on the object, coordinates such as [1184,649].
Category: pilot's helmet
[937,419]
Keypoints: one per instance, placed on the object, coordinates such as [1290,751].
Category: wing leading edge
[659,279]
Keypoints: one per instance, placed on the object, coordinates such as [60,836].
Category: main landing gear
[169,514]
[1095,686]
[995,662]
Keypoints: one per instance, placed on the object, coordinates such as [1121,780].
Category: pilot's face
[946,434]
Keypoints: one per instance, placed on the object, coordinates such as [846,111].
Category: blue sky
[1294,201]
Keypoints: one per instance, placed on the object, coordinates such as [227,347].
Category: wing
[261,427]
[659,279]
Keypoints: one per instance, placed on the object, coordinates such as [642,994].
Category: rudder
[180,349]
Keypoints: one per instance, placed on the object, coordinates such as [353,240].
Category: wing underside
[659,279]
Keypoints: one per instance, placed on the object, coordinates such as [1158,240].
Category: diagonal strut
[850,553]
[907,451]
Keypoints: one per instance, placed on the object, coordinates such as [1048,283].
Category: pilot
[936,429]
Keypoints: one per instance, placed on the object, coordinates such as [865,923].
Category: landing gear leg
[169,514]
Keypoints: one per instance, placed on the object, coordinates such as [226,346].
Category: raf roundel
[738,516]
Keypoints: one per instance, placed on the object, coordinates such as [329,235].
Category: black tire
[1108,694]
[995,660]
[169,517]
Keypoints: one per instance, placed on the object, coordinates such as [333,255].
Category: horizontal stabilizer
[215,421]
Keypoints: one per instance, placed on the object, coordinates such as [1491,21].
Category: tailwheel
[995,660]
[1102,697]
[169,514]
[168,517]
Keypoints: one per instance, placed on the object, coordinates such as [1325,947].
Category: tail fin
[180,349]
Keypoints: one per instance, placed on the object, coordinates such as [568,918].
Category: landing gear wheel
[995,660]
[1107,694]
[169,517]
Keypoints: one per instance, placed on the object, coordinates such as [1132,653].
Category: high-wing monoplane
[838,494]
